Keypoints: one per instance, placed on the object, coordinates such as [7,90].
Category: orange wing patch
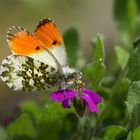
[48,33]
[22,42]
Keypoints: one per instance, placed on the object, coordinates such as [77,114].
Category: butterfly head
[71,75]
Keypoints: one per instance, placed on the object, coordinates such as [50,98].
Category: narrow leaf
[98,68]
[71,40]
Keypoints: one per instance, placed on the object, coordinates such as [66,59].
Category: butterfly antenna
[92,63]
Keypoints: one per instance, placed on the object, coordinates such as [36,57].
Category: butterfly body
[70,75]
[38,60]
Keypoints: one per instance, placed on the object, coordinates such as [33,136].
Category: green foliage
[120,5]
[133,66]
[71,40]
[85,128]
[51,123]
[98,67]
[138,4]
[98,63]
[133,103]
[115,133]
[69,127]
[122,56]
[23,137]
[125,13]
[99,49]
[114,108]
[32,108]
[3,134]
[22,127]
[136,133]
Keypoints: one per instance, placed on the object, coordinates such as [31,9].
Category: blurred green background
[89,17]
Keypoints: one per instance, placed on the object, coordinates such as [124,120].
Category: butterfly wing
[49,35]
[25,73]
[23,43]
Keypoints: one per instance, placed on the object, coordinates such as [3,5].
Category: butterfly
[38,61]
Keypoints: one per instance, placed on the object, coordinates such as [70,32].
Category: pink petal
[94,96]
[90,102]
[66,103]
[62,95]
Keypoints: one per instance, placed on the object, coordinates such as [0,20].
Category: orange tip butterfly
[38,60]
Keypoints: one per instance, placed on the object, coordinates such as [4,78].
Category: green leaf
[71,40]
[23,137]
[51,120]
[133,103]
[132,13]
[129,137]
[125,13]
[133,67]
[114,108]
[122,56]
[31,108]
[115,133]
[136,133]
[138,4]
[22,126]
[120,5]
[98,73]
[99,49]
[85,128]
[3,134]
[97,70]
[99,67]
[93,138]
[68,127]
[119,92]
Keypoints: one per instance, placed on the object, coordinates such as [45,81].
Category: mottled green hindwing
[25,73]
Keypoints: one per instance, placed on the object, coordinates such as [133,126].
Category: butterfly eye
[54,42]
[37,48]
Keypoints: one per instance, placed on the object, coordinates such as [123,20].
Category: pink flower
[66,96]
